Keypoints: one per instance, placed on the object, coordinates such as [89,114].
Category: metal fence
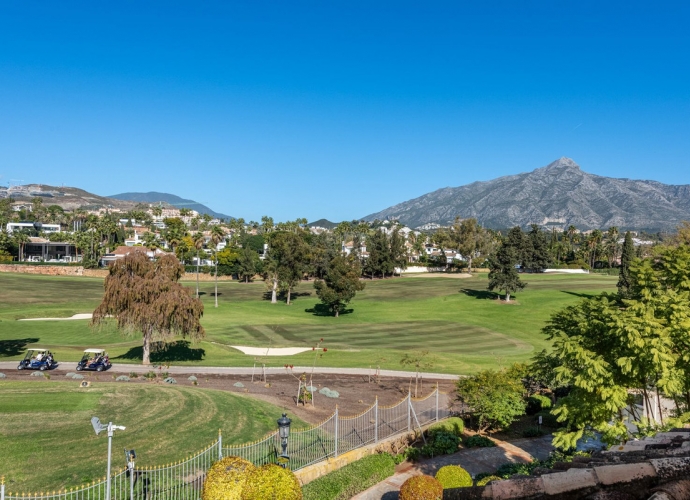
[335,435]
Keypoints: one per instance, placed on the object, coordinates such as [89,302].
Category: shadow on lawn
[175,351]
[480,294]
[282,296]
[581,295]
[324,310]
[14,347]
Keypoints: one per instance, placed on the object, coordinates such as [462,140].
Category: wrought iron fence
[335,435]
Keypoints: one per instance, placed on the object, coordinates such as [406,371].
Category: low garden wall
[47,270]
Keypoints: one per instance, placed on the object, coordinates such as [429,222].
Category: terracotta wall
[91,273]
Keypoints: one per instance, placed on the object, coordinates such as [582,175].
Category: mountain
[169,199]
[559,194]
[69,198]
[325,223]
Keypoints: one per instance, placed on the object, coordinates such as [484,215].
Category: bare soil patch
[356,392]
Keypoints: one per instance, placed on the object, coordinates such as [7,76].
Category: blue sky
[337,109]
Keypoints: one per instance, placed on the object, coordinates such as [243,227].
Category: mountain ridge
[170,199]
[558,194]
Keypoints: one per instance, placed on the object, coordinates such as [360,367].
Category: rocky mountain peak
[563,163]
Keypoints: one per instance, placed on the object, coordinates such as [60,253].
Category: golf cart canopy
[97,351]
[35,349]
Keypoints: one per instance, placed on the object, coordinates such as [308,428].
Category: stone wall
[91,273]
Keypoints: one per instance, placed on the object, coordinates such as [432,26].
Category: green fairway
[47,440]
[456,319]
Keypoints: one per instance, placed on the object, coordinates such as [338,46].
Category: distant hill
[325,223]
[169,199]
[557,195]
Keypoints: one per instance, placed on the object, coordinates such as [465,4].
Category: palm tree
[217,235]
[20,239]
[151,242]
[198,240]
[612,236]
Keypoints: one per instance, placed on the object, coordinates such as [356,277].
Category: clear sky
[337,109]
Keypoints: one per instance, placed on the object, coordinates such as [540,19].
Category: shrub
[150,375]
[549,420]
[351,479]
[454,425]
[238,384]
[413,454]
[133,375]
[226,478]
[512,469]
[70,374]
[76,376]
[478,441]
[122,378]
[170,380]
[36,374]
[486,480]
[421,488]
[2,375]
[441,443]
[329,393]
[192,378]
[271,482]
[453,476]
[537,403]
[531,432]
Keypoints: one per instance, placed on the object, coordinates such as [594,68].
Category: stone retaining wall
[91,273]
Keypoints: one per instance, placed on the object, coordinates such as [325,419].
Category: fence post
[437,401]
[220,443]
[2,488]
[409,408]
[336,430]
[376,420]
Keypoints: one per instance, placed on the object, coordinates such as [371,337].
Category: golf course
[462,324]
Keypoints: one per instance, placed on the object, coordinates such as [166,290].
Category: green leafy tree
[494,397]
[145,297]
[288,257]
[198,239]
[503,275]
[536,250]
[627,255]
[340,284]
[247,264]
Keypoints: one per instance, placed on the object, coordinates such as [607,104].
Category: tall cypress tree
[628,254]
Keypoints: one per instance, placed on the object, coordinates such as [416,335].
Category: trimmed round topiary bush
[486,480]
[421,488]
[226,478]
[453,476]
[271,482]
[454,425]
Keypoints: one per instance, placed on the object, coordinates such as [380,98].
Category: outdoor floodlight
[100,427]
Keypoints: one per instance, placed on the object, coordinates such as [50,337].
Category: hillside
[69,198]
[559,194]
[169,199]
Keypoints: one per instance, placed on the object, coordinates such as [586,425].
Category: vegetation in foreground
[46,427]
[457,320]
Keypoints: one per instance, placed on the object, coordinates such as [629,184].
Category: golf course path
[231,370]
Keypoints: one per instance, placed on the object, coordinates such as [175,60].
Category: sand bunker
[272,351]
[76,316]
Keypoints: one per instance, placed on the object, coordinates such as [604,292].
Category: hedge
[537,403]
[454,425]
[354,478]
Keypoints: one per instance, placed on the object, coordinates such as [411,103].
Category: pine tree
[503,275]
[627,255]
[341,283]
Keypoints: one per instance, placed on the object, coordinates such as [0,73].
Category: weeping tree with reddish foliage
[145,297]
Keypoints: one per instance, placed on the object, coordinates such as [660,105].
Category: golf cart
[94,359]
[37,359]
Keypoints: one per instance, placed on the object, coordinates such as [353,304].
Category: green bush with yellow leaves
[421,488]
[226,478]
[453,476]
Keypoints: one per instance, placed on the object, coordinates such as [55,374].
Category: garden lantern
[284,433]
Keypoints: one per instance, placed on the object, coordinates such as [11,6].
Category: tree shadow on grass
[14,347]
[174,351]
[324,310]
[480,294]
[581,295]
[282,296]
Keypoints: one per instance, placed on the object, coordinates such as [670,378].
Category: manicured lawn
[456,319]
[47,441]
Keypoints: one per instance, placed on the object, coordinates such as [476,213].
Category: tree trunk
[507,296]
[337,311]
[288,295]
[146,359]
[216,294]
[469,265]
[274,292]
[197,274]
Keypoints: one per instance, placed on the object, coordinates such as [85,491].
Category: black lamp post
[284,433]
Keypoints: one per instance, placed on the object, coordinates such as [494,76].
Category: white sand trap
[76,316]
[272,351]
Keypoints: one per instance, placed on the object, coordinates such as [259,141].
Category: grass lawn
[47,441]
[456,319]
